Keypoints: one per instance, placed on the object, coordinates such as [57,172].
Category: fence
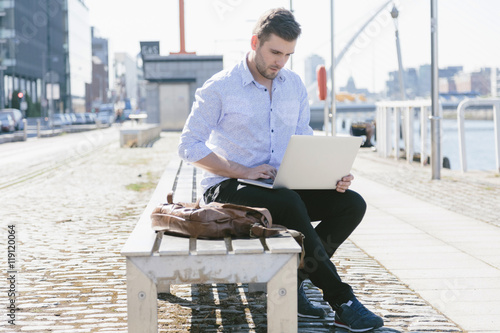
[495,102]
[396,116]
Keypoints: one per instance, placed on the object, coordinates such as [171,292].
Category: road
[22,160]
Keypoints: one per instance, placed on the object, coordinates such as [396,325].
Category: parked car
[72,118]
[16,115]
[106,117]
[7,123]
[58,120]
[80,119]
[90,118]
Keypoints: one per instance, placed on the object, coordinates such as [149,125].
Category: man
[239,127]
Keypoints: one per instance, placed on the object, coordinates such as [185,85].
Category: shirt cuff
[194,153]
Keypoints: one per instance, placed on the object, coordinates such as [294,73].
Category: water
[479,140]
[479,144]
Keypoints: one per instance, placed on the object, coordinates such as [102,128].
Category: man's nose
[281,61]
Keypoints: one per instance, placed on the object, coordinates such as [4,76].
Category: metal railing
[495,102]
[393,115]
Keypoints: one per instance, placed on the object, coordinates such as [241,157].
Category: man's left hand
[344,183]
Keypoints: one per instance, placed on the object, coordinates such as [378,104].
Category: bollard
[25,129]
[38,128]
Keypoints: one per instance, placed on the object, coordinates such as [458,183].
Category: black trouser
[339,213]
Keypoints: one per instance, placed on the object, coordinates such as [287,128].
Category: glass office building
[79,53]
[45,51]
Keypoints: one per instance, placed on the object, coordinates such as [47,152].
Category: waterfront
[479,139]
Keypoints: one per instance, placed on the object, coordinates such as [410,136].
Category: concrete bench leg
[282,299]
[142,307]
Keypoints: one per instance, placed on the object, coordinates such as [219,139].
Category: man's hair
[278,21]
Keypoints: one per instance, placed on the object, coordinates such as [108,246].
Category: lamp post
[332,74]
[395,14]
[436,116]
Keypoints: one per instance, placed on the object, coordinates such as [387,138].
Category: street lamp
[395,14]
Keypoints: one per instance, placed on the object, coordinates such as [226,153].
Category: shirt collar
[247,77]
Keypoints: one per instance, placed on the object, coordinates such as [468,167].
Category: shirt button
[272,131]
[265,89]
[272,151]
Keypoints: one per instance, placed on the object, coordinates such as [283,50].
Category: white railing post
[409,133]
[495,102]
[496,120]
[423,134]
[397,132]
[389,129]
[461,133]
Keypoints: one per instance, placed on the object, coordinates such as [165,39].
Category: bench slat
[282,244]
[143,237]
[247,246]
[199,176]
[204,246]
[172,245]
[184,188]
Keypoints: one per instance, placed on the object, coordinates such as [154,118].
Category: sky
[468,32]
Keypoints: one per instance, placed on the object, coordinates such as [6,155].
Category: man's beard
[262,69]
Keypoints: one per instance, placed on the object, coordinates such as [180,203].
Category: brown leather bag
[213,221]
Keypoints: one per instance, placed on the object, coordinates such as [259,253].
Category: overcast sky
[468,31]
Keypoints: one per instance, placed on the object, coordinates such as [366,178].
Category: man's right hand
[264,171]
[221,166]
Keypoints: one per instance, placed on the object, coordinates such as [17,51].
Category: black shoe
[355,317]
[306,308]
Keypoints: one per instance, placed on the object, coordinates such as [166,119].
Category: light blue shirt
[234,116]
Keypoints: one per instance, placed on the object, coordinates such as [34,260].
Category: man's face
[272,55]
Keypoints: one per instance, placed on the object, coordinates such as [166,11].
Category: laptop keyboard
[266,181]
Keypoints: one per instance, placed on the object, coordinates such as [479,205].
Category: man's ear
[254,42]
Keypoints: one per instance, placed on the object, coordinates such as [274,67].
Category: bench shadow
[214,307]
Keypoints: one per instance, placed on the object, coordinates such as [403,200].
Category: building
[45,53]
[359,94]
[97,91]
[32,40]
[424,81]
[495,82]
[126,80]
[171,83]
[477,82]
[310,67]
[79,54]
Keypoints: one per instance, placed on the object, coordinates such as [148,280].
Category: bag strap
[263,211]
[170,200]
[259,231]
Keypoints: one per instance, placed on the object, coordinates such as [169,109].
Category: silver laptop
[313,163]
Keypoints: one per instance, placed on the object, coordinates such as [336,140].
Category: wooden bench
[156,261]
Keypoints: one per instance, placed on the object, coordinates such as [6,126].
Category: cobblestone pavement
[71,223]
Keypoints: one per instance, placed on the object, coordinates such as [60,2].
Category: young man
[239,127]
